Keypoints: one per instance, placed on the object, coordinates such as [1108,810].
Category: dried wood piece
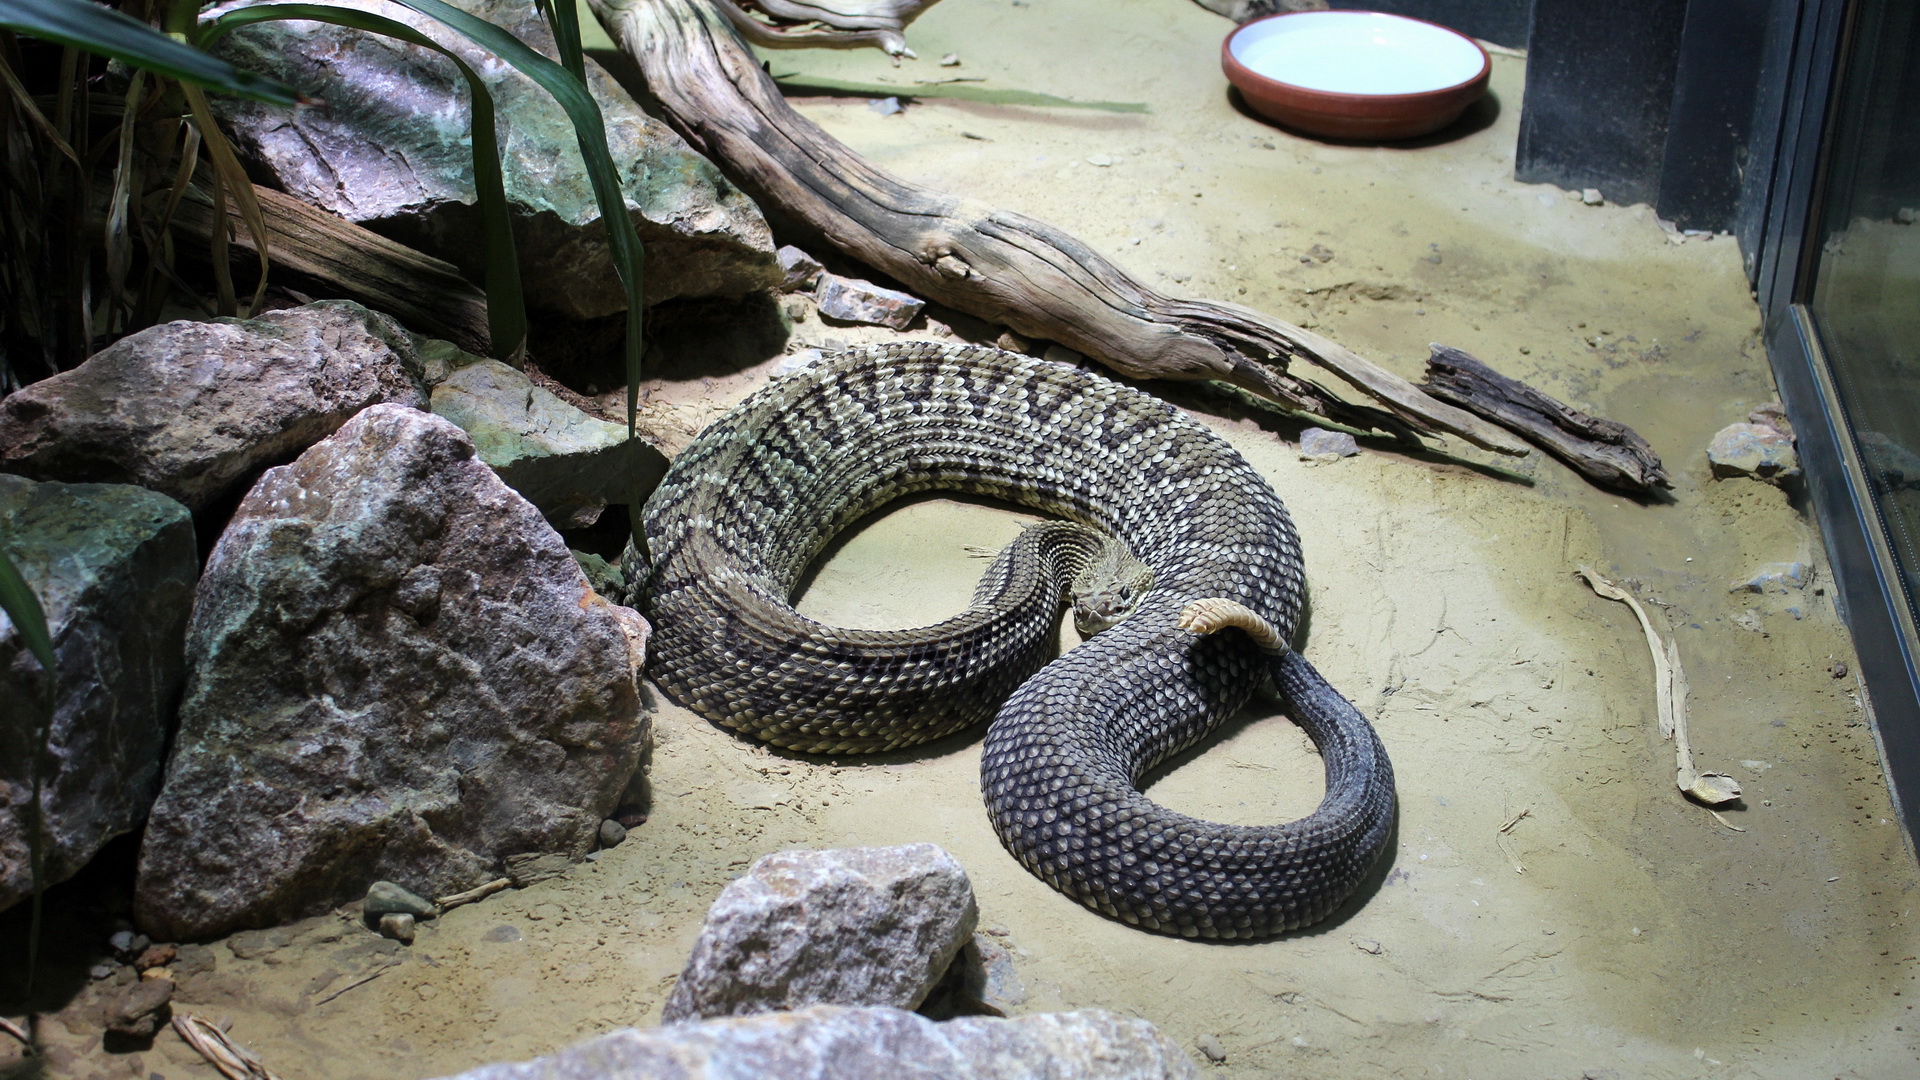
[1000,266]
[1710,789]
[447,903]
[427,295]
[829,24]
[232,1060]
[1608,453]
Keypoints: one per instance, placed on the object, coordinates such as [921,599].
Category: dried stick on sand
[1000,266]
[1670,693]
[232,1060]
[1607,452]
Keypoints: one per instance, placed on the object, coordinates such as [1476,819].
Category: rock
[566,463]
[606,578]
[396,671]
[870,1044]
[139,1011]
[113,568]
[1592,197]
[154,956]
[1060,354]
[392,151]
[856,926]
[887,106]
[1775,577]
[1211,1048]
[386,898]
[1773,415]
[194,409]
[799,360]
[611,833]
[1319,444]
[856,301]
[100,971]
[1755,450]
[397,925]
[798,270]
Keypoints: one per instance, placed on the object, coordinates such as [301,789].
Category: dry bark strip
[1000,266]
[427,295]
[1607,452]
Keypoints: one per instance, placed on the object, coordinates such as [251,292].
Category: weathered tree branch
[1607,452]
[828,24]
[1000,266]
[425,294]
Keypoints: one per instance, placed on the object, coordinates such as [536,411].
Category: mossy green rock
[392,151]
[113,567]
[396,672]
[567,463]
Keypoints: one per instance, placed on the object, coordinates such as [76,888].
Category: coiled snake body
[743,511]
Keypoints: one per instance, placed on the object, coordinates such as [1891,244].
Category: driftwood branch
[1608,453]
[424,293]
[829,24]
[1000,266]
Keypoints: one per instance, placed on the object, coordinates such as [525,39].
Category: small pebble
[385,898]
[502,933]
[611,833]
[1319,444]
[1837,670]
[398,926]
[950,60]
[887,106]
[1209,1046]
[121,941]
[154,956]
[1592,197]
[100,971]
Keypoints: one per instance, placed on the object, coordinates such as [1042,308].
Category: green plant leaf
[103,31]
[506,301]
[589,127]
[23,607]
[563,18]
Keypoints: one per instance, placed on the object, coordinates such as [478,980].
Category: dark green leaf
[23,607]
[106,32]
[590,128]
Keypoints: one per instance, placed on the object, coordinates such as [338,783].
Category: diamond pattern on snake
[1166,542]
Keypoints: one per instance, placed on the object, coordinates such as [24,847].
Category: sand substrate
[1612,929]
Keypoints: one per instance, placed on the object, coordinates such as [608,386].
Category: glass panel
[1866,292]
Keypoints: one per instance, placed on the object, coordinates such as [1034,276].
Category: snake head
[1107,591]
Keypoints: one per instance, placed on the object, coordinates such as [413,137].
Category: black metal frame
[1870,597]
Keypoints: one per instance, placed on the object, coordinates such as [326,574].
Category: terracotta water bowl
[1355,74]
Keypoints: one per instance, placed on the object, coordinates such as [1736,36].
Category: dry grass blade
[233,1061]
[33,113]
[232,178]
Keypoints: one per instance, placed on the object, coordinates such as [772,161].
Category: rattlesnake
[746,508]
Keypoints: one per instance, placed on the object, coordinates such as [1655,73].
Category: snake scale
[744,510]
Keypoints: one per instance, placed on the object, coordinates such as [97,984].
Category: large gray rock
[566,463]
[392,151]
[829,1043]
[396,671]
[113,568]
[193,409]
[855,926]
